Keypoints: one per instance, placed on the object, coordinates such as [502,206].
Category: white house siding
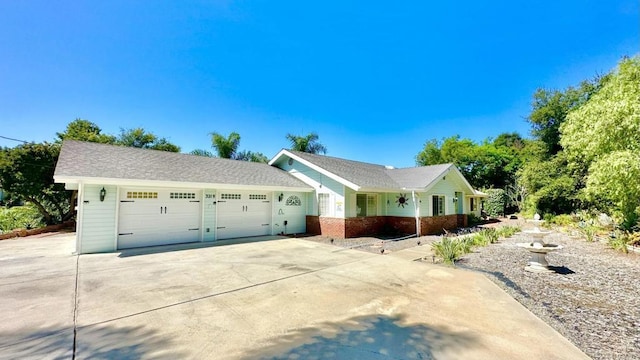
[391,204]
[209,215]
[290,207]
[321,184]
[98,220]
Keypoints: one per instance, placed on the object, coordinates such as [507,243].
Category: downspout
[416,211]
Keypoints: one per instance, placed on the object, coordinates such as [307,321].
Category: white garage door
[243,214]
[158,217]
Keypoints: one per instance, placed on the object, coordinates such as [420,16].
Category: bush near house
[20,217]
[495,203]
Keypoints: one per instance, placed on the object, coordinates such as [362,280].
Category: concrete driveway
[283,298]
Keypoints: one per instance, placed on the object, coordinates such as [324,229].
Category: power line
[12,139]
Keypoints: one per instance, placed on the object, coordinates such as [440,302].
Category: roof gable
[365,176]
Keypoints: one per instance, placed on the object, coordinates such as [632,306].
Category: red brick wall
[434,224]
[326,226]
[375,225]
[364,226]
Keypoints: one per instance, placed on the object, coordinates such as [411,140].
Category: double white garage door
[149,217]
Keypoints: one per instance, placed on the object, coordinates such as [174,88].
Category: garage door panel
[248,214]
[163,217]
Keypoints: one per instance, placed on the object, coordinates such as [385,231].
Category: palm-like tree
[226,147]
[308,144]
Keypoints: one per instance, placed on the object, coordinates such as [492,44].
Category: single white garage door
[158,217]
[242,214]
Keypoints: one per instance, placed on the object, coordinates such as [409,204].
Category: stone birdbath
[538,248]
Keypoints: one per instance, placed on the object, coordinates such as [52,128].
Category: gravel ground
[593,298]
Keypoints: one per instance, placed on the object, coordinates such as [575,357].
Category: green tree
[26,171]
[603,136]
[308,143]
[226,147]
[613,181]
[85,130]
[140,138]
[550,186]
[609,121]
[550,109]
[247,155]
[483,165]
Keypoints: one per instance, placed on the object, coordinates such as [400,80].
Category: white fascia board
[317,168]
[391,190]
[176,184]
[445,173]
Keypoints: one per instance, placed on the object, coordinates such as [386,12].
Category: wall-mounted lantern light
[280,197]
[103,193]
[455,199]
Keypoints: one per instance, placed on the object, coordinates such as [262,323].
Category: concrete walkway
[284,298]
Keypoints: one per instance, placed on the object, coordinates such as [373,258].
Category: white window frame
[444,204]
[326,202]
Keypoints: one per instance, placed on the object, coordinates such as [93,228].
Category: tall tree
[26,171]
[604,136]
[308,143]
[550,109]
[85,130]
[140,138]
[225,147]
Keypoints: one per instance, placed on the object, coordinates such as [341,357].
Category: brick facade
[376,225]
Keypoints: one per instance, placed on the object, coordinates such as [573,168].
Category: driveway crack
[75,307]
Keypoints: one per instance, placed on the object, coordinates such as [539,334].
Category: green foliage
[308,143]
[449,249]
[247,155]
[507,231]
[26,171]
[619,243]
[20,217]
[473,219]
[550,109]
[495,203]
[201,152]
[140,138]
[561,220]
[490,164]
[609,121]
[225,147]
[614,180]
[85,130]
[551,187]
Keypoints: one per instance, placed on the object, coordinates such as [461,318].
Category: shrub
[588,231]
[619,242]
[562,220]
[485,237]
[20,217]
[473,220]
[495,203]
[507,231]
[450,249]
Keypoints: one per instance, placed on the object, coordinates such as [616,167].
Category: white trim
[314,167]
[173,184]
[79,218]
[117,222]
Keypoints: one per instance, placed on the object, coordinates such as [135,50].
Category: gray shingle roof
[373,176]
[91,160]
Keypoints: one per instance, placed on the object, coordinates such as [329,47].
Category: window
[180,195]
[473,204]
[257,197]
[366,205]
[230,196]
[438,205]
[142,195]
[323,204]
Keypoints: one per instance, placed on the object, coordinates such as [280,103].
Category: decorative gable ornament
[293,201]
[402,200]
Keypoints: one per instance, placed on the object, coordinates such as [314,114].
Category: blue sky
[375,79]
